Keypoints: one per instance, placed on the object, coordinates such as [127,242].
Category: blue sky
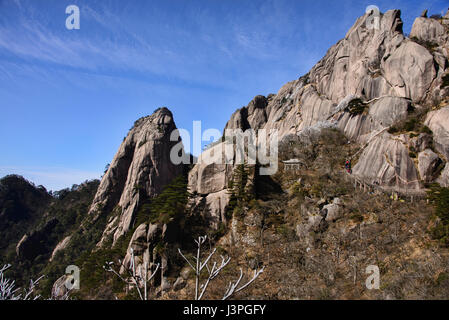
[68,97]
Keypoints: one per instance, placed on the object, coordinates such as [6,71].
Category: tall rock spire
[139,170]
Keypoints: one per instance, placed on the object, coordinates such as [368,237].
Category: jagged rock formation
[139,170]
[366,83]
[210,181]
[59,289]
[386,161]
[429,30]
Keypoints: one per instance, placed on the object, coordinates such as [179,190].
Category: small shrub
[356,217]
[436,16]
[442,277]
[357,106]
[426,129]
[413,125]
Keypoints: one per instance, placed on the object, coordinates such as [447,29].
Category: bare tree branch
[8,288]
[139,279]
[214,271]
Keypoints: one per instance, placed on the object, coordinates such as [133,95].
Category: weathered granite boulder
[216,207]
[332,211]
[420,143]
[410,69]
[148,244]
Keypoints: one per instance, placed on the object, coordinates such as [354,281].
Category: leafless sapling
[197,266]
[139,279]
[8,290]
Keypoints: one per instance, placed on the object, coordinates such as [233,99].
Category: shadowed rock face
[139,170]
[36,243]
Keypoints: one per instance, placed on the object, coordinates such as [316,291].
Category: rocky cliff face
[139,170]
[368,82]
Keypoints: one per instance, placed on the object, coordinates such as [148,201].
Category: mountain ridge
[377,98]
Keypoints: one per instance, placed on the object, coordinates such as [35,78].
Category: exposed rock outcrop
[365,83]
[139,170]
[420,143]
[430,30]
[60,246]
[371,80]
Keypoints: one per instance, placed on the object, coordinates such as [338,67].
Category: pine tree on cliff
[171,203]
[241,186]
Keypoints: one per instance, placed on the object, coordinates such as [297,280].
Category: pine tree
[168,205]
[241,187]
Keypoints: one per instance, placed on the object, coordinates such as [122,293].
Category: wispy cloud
[124,51]
[114,47]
